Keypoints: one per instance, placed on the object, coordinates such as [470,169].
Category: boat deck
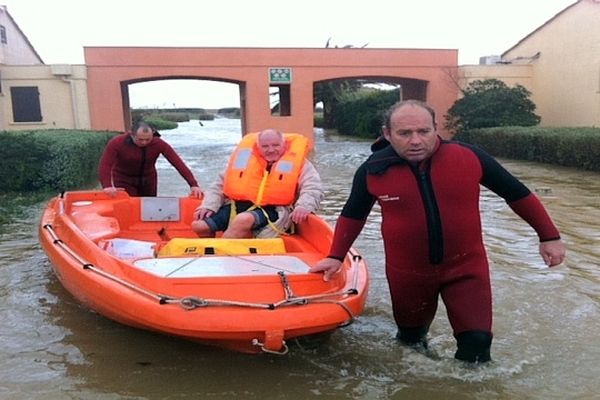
[222,266]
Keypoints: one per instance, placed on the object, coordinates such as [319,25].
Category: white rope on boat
[89,266]
[192,302]
[284,350]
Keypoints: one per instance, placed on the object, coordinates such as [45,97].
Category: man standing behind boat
[268,181]
[129,162]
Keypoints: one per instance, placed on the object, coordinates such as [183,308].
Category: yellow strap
[261,188]
[273,226]
[232,211]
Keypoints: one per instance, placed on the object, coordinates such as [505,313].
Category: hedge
[160,124]
[361,113]
[49,159]
[569,147]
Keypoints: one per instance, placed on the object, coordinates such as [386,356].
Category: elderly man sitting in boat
[268,185]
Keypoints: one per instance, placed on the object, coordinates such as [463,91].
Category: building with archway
[423,74]
[559,62]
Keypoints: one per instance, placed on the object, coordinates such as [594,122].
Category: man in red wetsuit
[428,190]
[129,162]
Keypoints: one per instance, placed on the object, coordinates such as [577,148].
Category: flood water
[547,321]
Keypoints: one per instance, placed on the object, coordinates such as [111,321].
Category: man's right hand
[329,266]
[111,191]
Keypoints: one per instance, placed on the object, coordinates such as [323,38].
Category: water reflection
[546,320]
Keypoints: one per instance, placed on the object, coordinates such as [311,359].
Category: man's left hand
[553,252]
[299,214]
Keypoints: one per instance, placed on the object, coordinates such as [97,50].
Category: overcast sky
[59,29]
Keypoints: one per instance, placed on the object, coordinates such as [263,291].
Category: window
[3,34]
[280,100]
[26,104]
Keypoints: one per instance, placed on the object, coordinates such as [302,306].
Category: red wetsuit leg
[467,295]
[414,296]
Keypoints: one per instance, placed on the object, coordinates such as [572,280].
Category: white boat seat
[213,266]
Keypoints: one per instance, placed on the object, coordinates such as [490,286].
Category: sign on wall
[280,75]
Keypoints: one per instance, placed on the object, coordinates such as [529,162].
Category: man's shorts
[220,220]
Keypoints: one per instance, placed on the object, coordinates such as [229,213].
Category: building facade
[34,95]
[44,97]
[559,63]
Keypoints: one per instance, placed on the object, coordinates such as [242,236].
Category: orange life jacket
[247,177]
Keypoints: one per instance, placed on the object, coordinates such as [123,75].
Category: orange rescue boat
[136,261]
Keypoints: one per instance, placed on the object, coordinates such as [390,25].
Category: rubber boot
[473,346]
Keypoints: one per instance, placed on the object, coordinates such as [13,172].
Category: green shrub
[169,116]
[569,147]
[206,117]
[229,112]
[361,113]
[166,114]
[490,102]
[160,124]
[318,121]
[49,159]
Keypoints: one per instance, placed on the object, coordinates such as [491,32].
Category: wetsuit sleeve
[496,178]
[520,199]
[533,212]
[179,165]
[107,161]
[346,232]
[353,216]
[360,202]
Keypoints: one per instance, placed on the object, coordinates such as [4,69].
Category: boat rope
[258,262]
[345,307]
[192,302]
[91,267]
[284,349]
[287,290]
[185,264]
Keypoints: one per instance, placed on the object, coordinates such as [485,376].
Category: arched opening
[328,94]
[178,98]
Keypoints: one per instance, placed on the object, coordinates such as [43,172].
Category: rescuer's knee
[473,346]
[413,336]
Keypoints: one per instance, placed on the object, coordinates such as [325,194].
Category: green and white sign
[280,75]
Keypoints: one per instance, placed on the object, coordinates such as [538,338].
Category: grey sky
[60,29]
